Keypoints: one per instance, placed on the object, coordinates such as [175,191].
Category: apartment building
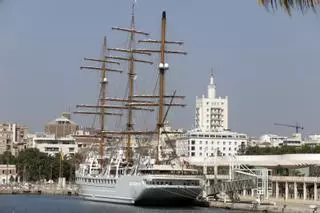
[8,173]
[13,138]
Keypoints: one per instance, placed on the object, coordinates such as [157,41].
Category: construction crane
[297,126]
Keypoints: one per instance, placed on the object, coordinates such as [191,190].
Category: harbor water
[58,204]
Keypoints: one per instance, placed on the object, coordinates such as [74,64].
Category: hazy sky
[267,64]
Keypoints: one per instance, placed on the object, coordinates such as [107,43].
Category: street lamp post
[7,183]
[215,169]
[205,170]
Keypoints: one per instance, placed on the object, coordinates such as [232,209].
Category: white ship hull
[140,189]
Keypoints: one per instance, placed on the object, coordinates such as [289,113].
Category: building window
[192,154]
[193,142]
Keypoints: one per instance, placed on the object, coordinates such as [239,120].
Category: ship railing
[173,176]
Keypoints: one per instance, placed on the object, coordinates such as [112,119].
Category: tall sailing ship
[128,173]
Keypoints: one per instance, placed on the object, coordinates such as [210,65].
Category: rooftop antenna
[212,76]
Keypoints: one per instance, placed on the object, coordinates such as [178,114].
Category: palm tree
[289,5]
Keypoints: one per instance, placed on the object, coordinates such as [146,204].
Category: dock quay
[44,189]
[272,205]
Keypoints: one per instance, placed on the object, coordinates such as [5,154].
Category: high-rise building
[211,111]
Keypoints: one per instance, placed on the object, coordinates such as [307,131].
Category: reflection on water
[51,204]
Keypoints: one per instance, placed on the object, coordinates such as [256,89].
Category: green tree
[77,158]
[35,165]
[255,150]
[290,5]
[30,162]
[7,158]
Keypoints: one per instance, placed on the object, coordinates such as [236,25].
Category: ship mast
[163,67]
[102,96]
[102,100]
[131,76]
[132,100]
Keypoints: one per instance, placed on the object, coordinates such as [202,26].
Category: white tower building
[211,111]
[211,136]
